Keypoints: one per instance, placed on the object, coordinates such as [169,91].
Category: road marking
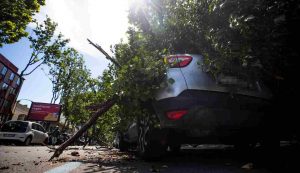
[65,168]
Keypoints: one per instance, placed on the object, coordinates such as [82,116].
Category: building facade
[20,112]
[10,85]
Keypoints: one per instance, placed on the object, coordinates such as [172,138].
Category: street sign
[44,112]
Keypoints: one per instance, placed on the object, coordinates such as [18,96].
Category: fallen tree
[130,80]
[102,108]
[251,39]
[97,109]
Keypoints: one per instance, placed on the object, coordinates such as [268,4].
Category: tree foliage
[15,15]
[71,84]
[45,45]
[250,39]
[233,36]
[141,73]
[77,91]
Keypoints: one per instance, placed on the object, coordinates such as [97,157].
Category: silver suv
[196,108]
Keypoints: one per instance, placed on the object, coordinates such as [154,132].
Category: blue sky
[104,22]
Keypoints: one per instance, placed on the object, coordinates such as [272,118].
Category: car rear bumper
[214,114]
[11,140]
[12,137]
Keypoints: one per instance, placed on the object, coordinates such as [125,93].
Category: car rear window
[14,126]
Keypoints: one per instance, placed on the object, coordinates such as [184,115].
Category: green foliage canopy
[71,85]
[14,17]
[249,38]
[46,46]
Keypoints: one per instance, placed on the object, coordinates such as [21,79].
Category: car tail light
[179,61]
[176,115]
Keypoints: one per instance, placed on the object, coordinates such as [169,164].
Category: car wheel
[122,145]
[50,140]
[46,141]
[175,148]
[147,147]
[27,141]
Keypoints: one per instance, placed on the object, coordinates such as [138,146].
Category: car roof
[17,121]
[21,121]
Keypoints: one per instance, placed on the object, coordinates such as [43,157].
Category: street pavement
[204,158]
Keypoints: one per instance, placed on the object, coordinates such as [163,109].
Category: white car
[25,132]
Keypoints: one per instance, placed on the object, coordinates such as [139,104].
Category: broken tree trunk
[104,107]
[104,53]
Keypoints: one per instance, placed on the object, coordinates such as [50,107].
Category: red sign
[44,112]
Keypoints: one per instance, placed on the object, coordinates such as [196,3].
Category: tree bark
[104,107]
[104,53]
[65,124]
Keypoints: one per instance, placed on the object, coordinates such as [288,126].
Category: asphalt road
[204,158]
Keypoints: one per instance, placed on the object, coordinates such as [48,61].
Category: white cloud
[103,21]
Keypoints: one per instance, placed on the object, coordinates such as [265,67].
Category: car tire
[174,148]
[122,145]
[46,141]
[147,147]
[27,141]
[50,140]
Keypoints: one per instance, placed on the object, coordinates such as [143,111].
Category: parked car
[197,108]
[24,132]
[127,139]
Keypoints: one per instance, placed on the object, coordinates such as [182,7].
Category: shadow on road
[204,158]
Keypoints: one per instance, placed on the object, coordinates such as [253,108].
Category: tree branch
[104,107]
[33,69]
[27,65]
[104,53]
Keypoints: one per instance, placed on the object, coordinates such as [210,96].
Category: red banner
[44,112]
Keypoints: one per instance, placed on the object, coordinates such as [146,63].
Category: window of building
[1,84]
[12,76]
[3,71]
[6,104]
[12,91]
[4,86]
[18,81]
